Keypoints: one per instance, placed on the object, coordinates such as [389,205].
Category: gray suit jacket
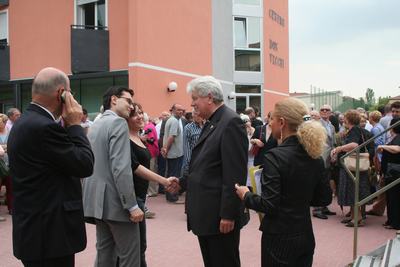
[109,193]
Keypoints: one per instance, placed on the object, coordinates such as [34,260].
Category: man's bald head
[48,80]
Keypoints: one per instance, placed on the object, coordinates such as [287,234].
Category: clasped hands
[172,185]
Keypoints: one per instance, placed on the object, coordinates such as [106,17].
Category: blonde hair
[375,116]
[311,134]
[3,117]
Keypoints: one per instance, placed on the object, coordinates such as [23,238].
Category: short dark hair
[397,128]
[395,105]
[114,90]
[84,111]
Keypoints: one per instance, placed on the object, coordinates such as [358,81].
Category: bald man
[46,162]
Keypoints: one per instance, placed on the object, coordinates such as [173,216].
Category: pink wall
[174,34]
[39,35]
[118,28]
[276,78]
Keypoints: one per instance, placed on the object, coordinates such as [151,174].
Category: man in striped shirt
[191,134]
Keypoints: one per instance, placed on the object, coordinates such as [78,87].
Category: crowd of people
[66,170]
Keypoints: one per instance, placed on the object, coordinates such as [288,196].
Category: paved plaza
[169,243]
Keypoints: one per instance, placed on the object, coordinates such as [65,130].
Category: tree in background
[382,101]
[370,98]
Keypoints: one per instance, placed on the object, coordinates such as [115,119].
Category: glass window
[248,89]
[76,89]
[121,80]
[3,27]
[26,95]
[248,2]
[255,101]
[240,104]
[91,13]
[254,36]
[6,98]
[92,91]
[240,32]
[247,60]
[101,13]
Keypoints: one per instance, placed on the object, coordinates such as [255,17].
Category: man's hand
[257,142]
[164,152]
[137,215]
[72,111]
[225,226]
[173,186]
[241,191]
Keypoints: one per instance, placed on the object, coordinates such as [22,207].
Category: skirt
[345,191]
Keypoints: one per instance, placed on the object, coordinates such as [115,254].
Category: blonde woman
[292,181]
[4,132]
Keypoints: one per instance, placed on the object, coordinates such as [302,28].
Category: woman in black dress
[391,171]
[345,193]
[292,181]
[142,175]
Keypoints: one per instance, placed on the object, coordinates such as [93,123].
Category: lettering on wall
[275,60]
[275,17]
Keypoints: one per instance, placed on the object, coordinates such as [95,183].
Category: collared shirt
[9,125]
[191,134]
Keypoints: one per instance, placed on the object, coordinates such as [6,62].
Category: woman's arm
[2,152]
[394,149]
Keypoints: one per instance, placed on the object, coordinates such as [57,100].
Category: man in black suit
[219,160]
[46,162]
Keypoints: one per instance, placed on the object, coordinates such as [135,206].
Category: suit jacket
[219,160]
[109,193]
[291,182]
[270,143]
[46,162]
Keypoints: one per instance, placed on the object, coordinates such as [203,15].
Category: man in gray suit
[108,195]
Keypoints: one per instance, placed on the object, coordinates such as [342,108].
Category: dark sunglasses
[324,110]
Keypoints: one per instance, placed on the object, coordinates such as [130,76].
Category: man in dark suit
[46,162]
[219,160]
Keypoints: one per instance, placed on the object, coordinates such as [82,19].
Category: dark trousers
[174,168]
[66,261]
[161,168]
[289,250]
[9,196]
[143,238]
[393,205]
[221,250]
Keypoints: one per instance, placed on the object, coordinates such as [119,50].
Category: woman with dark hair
[345,193]
[292,180]
[391,171]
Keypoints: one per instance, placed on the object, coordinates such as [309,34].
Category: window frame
[78,12]
[5,11]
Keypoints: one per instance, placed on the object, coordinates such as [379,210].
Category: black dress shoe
[320,216]
[372,213]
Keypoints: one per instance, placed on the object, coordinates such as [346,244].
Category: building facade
[148,46]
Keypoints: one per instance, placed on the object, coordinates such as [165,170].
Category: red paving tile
[169,244]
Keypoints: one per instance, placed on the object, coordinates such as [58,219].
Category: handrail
[356,179]
[90,27]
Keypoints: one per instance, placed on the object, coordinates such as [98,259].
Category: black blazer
[219,161]
[270,143]
[291,182]
[46,162]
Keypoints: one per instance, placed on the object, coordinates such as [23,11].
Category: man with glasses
[108,195]
[325,112]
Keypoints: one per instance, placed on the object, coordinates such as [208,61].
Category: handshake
[172,185]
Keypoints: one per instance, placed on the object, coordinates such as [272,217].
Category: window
[247,96]
[91,13]
[3,27]
[247,43]
[248,2]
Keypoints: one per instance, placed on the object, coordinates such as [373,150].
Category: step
[391,258]
[368,261]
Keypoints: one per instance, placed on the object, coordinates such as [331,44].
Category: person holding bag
[264,141]
[353,138]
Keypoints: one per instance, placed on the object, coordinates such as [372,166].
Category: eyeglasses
[324,109]
[130,102]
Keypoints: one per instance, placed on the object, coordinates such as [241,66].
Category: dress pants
[221,250]
[117,239]
[66,261]
[287,250]
[393,205]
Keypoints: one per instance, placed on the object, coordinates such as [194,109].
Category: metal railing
[358,203]
[89,27]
